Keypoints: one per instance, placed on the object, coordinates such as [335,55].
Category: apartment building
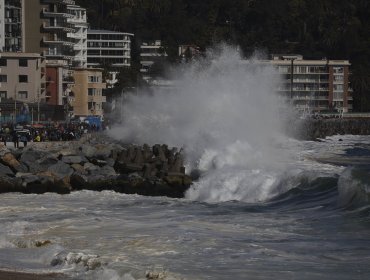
[314,85]
[150,53]
[108,48]
[22,79]
[46,26]
[86,97]
[10,25]
[80,26]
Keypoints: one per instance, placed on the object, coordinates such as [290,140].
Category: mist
[222,109]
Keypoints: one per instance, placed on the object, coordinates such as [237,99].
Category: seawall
[311,129]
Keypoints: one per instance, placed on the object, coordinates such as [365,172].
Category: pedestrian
[15,139]
[37,138]
[3,138]
[24,140]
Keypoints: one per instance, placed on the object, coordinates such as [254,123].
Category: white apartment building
[79,22]
[10,25]
[150,53]
[108,48]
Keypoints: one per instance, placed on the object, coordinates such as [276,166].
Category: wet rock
[8,184]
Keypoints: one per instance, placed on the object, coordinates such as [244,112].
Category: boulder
[9,160]
[103,151]
[74,159]
[177,179]
[79,168]
[61,170]
[90,167]
[8,184]
[78,180]
[88,150]
[5,170]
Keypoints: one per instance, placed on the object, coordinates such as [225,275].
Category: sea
[310,221]
[265,205]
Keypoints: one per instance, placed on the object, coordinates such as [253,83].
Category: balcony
[97,99]
[50,14]
[52,40]
[59,26]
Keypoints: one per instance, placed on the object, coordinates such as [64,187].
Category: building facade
[150,53]
[10,25]
[108,48]
[314,85]
[86,97]
[22,79]
[79,35]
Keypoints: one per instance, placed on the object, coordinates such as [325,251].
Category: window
[23,62]
[3,78]
[92,91]
[338,70]
[93,79]
[3,62]
[338,87]
[22,94]
[3,94]
[23,78]
[338,78]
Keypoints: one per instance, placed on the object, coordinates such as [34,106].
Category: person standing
[15,139]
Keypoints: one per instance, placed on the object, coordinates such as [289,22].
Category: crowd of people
[48,132]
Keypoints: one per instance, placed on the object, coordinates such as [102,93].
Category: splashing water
[224,110]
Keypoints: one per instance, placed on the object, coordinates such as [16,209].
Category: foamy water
[265,206]
[305,230]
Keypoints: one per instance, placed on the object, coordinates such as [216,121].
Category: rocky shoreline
[93,163]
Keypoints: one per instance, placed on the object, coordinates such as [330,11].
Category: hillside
[335,29]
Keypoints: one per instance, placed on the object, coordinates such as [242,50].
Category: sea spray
[224,111]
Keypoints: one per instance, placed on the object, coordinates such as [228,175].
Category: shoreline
[21,275]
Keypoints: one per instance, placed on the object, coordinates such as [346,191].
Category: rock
[31,159]
[147,152]
[138,159]
[8,184]
[78,181]
[74,159]
[61,170]
[99,162]
[88,151]
[103,151]
[90,167]
[66,152]
[5,170]
[79,168]
[9,160]
[46,161]
[177,179]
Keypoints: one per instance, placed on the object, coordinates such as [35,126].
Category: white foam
[225,112]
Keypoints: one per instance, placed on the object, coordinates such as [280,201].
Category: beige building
[86,97]
[314,85]
[22,77]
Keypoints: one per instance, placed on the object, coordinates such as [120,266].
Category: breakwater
[96,164]
[311,129]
